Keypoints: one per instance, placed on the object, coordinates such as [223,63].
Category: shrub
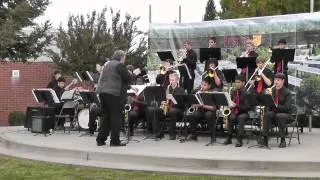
[16,118]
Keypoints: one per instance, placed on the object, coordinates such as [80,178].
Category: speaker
[39,111]
[40,124]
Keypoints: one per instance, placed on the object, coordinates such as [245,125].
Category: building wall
[15,93]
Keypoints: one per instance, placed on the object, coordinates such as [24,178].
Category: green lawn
[14,168]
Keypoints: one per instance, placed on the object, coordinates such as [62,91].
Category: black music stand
[282,54]
[164,55]
[154,95]
[246,62]
[187,100]
[230,75]
[89,97]
[84,76]
[45,96]
[208,53]
[266,101]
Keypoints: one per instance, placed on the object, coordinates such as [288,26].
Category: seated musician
[214,75]
[138,107]
[203,112]
[239,110]
[279,114]
[165,70]
[60,89]
[175,111]
[264,77]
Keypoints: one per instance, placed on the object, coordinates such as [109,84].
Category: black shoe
[239,142]
[101,143]
[172,137]
[119,144]
[265,141]
[282,143]
[192,138]
[227,141]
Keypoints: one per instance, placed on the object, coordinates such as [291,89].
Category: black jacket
[191,60]
[285,100]
[244,105]
[177,90]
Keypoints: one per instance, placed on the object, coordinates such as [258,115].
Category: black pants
[111,110]
[270,117]
[155,116]
[174,114]
[208,116]
[237,119]
[133,117]
[94,112]
[187,83]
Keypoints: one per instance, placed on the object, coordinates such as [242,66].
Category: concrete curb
[161,164]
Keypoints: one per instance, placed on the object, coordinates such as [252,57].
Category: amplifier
[40,124]
[39,111]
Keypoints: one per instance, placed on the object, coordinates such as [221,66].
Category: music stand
[266,101]
[284,55]
[164,55]
[84,76]
[207,53]
[246,62]
[230,75]
[45,96]
[154,95]
[187,100]
[184,70]
[89,97]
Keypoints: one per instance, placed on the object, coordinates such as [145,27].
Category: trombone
[255,75]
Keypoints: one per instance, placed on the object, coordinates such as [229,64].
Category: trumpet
[163,70]
[212,72]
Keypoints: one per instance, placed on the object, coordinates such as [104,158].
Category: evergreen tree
[87,40]
[20,37]
[211,12]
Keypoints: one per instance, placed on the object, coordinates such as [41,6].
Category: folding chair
[293,119]
[69,112]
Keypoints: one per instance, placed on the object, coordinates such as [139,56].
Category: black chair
[69,112]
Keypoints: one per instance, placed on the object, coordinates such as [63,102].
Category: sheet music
[34,95]
[78,76]
[139,87]
[89,75]
[52,92]
[137,71]
[170,97]
[67,95]
[199,99]
[188,71]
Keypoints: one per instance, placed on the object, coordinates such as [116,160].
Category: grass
[14,168]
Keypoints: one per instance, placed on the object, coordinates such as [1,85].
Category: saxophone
[165,104]
[226,112]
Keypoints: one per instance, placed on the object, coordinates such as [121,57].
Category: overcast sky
[163,11]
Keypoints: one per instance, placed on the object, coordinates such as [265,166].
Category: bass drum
[83,118]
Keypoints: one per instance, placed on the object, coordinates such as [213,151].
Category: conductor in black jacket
[112,89]
[279,114]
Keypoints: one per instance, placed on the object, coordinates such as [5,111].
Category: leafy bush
[16,118]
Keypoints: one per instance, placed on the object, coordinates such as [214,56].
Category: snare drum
[83,118]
